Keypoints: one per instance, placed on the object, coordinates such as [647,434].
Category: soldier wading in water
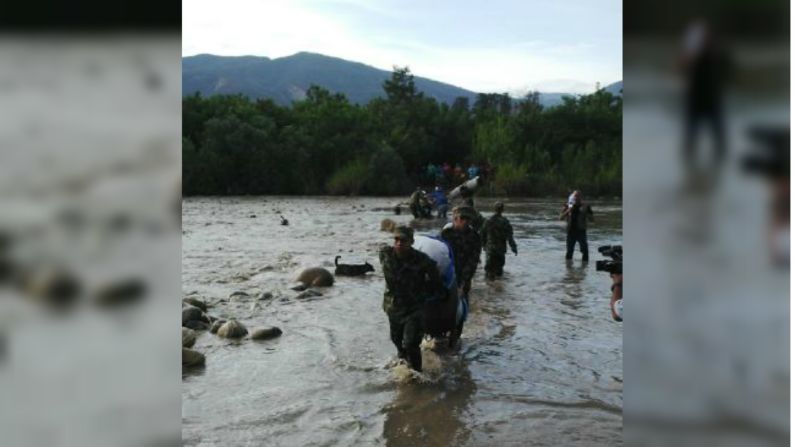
[411,278]
[465,243]
[496,232]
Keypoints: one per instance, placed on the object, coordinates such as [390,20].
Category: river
[540,360]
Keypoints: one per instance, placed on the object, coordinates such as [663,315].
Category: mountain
[287,79]
[616,88]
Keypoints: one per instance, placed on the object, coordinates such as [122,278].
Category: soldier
[465,242]
[496,231]
[411,278]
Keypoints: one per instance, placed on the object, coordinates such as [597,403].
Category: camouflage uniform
[496,231]
[466,254]
[409,282]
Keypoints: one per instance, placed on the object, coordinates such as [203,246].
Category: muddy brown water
[540,362]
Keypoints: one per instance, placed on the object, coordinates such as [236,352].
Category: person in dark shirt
[577,214]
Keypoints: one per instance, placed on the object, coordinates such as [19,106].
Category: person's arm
[565,212]
[484,234]
[511,242]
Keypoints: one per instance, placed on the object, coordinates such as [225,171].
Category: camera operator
[614,267]
[617,300]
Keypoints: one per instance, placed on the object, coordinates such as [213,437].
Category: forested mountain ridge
[287,79]
[325,144]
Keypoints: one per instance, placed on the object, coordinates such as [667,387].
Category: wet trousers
[406,332]
[494,263]
[574,237]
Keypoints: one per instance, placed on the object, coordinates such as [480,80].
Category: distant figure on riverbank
[419,205]
[440,202]
[577,216]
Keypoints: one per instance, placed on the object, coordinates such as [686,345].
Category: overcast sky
[484,46]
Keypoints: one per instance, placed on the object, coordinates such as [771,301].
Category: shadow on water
[431,414]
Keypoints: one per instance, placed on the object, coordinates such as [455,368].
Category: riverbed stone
[192,313]
[217,325]
[192,358]
[188,337]
[308,294]
[265,296]
[196,303]
[196,325]
[232,329]
[266,333]
[316,277]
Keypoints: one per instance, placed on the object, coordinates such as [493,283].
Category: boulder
[192,313]
[266,333]
[196,325]
[123,292]
[188,337]
[316,277]
[192,358]
[216,325]
[196,303]
[232,329]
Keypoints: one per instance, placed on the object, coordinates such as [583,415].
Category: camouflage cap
[499,206]
[466,212]
[404,232]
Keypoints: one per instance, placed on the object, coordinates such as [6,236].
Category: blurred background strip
[706,175]
[89,229]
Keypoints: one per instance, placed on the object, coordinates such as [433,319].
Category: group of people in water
[412,278]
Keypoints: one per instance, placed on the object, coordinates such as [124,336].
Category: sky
[512,46]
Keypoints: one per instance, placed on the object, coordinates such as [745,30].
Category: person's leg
[489,267]
[718,136]
[412,337]
[396,329]
[689,137]
[583,239]
[499,262]
[570,240]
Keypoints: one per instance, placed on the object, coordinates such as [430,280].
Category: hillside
[286,79]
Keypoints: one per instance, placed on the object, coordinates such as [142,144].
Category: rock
[192,358]
[239,293]
[196,325]
[191,313]
[188,337]
[388,225]
[216,325]
[52,286]
[308,294]
[316,277]
[196,303]
[265,296]
[123,292]
[232,329]
[266,333]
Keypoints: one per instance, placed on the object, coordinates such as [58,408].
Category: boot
[415,359]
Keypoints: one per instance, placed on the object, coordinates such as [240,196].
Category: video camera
[770,157]
[613,265]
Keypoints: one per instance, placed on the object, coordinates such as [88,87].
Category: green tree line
[324,144]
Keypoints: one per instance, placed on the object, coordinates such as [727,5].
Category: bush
[511,179]
[386,174]
[350,179]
